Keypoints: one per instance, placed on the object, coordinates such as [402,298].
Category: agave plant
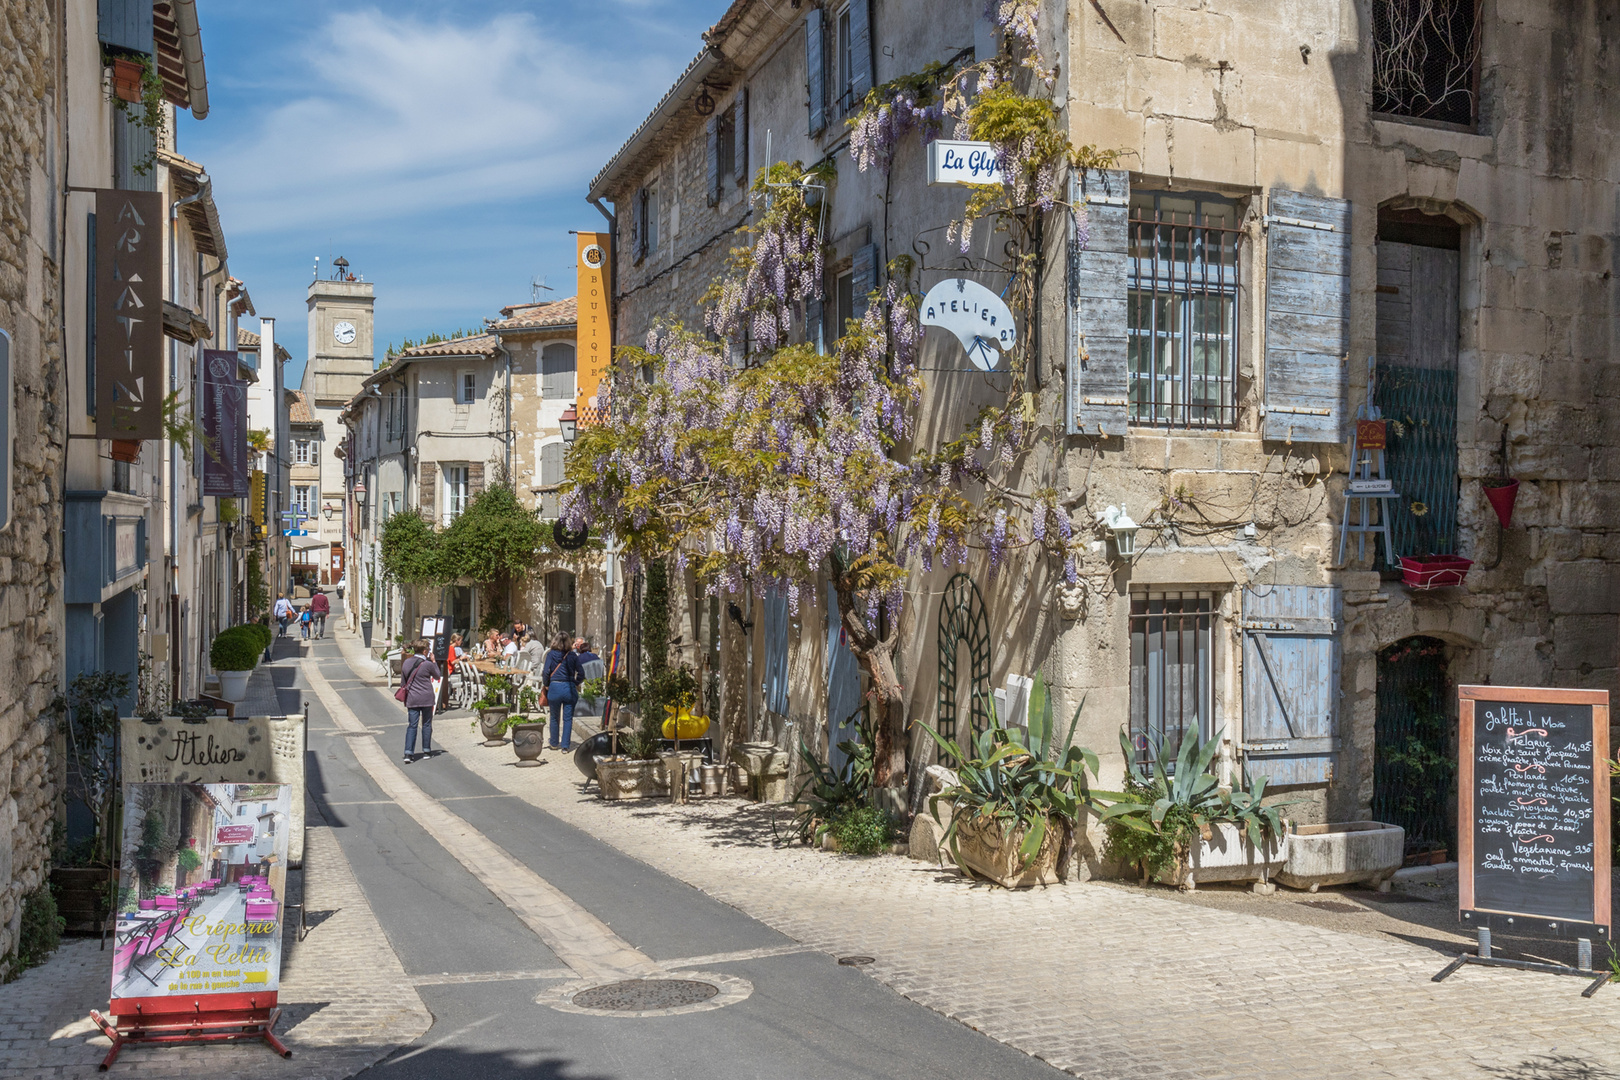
[1017,781]
[1167,809]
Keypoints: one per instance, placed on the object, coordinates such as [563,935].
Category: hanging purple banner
[224,427]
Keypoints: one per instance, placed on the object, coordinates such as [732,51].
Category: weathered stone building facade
[1306,225]
[31,91]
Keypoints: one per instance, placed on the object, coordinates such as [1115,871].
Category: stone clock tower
[340,357]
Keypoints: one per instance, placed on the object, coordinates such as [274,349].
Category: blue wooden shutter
[814,317]
[776,651]
[843,685]
[125,24]
[638,225]
[552,473]
[713,152]
[1291,682]
[860,51]
[815,69]
[863,278]
[1098,379]
[1307,317]
[739,136]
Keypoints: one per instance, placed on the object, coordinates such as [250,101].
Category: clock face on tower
[344,333]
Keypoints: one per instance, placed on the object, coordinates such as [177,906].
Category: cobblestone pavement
[344,997]
[1103,980]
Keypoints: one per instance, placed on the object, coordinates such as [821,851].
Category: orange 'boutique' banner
[594,335]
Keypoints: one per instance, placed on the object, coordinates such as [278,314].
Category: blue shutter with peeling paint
[843,686]
[1098,378]
[1307,317]
[775,613]
[860,51]
[863,278]
[1291,682]
[815,69]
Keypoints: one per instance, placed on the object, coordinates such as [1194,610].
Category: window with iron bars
[1182,309]
[1172,671]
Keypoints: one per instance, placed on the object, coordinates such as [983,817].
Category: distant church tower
[341,355]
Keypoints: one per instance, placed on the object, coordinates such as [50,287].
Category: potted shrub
[838,812]
[493,709]
[1017,799]
[634,773]
[234,654]
[528,737]
[1181,828]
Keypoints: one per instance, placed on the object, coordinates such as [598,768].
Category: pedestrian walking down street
[284,611]
[416,678]
[561,677]
[320,607]
[304,620]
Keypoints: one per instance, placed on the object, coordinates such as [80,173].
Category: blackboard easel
[1533,821]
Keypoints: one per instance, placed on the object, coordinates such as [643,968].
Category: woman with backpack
[561,675]
[417,677]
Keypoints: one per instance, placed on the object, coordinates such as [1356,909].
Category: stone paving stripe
[577,938]
[461,978]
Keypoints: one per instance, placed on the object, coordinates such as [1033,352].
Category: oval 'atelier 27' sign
[979,318]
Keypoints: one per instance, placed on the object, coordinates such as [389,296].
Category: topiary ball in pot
[234,650]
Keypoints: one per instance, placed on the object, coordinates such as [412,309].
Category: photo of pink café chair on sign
[201,892]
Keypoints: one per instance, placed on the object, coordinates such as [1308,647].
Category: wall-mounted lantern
[1119,522]
[569,422]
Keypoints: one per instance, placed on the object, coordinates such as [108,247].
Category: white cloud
[394,117]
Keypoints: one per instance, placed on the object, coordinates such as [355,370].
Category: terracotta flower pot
[126,80]
[126,450]
[1502,496]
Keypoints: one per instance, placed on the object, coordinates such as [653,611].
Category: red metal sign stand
[229,1017]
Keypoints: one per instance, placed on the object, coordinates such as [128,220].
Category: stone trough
[1339,853]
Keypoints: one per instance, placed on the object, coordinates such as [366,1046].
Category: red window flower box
[1433,571]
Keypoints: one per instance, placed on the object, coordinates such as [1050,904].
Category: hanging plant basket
[1424,572]
[1503,494]
[126,80]
[126,450]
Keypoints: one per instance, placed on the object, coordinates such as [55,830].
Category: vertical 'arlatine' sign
[224,422]
[129,314]
[593,332]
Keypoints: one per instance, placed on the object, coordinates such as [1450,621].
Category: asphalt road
[807,1017]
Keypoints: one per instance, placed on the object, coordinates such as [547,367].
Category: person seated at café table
[455,653]
[509,649]
[492,643]
[532,651]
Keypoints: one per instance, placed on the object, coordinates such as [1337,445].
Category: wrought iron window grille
[1172,671]
[1183,285]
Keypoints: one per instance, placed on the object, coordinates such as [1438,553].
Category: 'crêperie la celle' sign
[955,162]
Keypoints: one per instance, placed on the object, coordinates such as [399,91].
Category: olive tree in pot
[1017,800]
[528,737]
[1182,827]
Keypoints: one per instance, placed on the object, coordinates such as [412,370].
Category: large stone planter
[1227,856]
[1342,852]
[765,770]
[490,723]
[983,850]
[528,741]
[628,778]
[233,685]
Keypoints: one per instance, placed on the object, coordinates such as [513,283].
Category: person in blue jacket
[562,675]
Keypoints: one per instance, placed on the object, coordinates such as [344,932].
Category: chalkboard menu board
[1533,809]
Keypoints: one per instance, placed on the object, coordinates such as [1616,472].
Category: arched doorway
[1414,764]
[962,623]
[560,603]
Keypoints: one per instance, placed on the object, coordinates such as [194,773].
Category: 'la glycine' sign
[978,317]
[952,162]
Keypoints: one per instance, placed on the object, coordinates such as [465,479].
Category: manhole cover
[856,961]
[1335,905]
[638,995]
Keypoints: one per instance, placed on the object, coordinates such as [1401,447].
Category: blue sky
[443,149]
